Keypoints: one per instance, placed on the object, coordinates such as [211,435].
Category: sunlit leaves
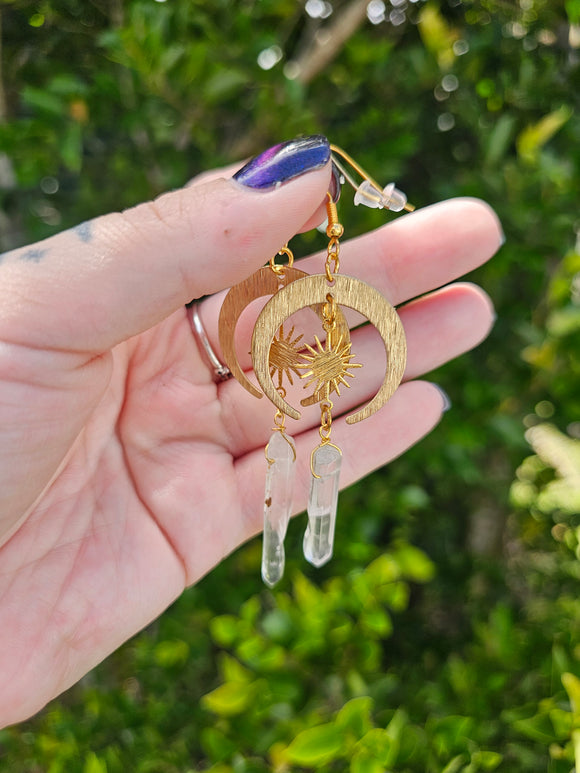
[379,661]
[533,138]
[437,35]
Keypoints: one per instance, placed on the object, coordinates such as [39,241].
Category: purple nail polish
[284,162]
[335,188]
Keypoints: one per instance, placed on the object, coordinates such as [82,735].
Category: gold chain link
[278,268]
[334,231]
[329,311]
[332,265]
[325,420]
[279,416]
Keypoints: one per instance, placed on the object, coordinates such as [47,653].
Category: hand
[126,473]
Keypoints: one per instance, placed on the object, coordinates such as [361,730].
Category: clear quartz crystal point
[281,456]
[322,504]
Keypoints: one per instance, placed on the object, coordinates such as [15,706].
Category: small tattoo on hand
[33,255]
[84,231]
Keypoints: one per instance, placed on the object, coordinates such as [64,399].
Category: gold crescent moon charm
[346,291]
[263,282]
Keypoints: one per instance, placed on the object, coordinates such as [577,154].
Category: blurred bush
[445,634]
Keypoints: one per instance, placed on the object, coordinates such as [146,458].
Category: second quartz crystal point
[281,457]
[322,504]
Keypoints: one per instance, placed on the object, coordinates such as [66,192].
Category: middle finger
[409,256]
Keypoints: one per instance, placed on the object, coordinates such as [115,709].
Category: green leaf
[259,653]
[398,723]
[379,744]
[307,595]
[455,765]
[438,37]
[500,138]
[278,625]
[44,101]
[462,677]
[383,569]
[533,138]
[93,764]
[224,83]
[395,595]
[250,610]
[68,85]
[450,734]
[572,686]
[573,11]
[562,322]
[355,716]
[216,745]
[414,563]
[228,699]
[231,670]
[486,760]
[364,762]
[315,746]
[538,728]
[377,621]
[71,148]
[563,722]
[224,629]
[171,653]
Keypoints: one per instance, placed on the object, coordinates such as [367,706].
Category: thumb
[108,279]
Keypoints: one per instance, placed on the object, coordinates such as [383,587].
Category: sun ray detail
[327,366]
[284,356]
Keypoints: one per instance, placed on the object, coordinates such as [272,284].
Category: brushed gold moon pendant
[346,291]
[260,283]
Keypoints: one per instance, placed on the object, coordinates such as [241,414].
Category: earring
[279,353]
[280,451]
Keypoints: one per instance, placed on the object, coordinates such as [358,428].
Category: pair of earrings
[322,358]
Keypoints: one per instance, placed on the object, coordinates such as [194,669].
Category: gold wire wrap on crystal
[324,431]
[280,426]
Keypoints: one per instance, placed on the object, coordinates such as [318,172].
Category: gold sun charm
[284,355]
[329,365]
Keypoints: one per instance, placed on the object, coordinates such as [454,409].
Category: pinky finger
[412,412]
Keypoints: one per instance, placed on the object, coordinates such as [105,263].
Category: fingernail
[285,162]
[335,188]
[445,397]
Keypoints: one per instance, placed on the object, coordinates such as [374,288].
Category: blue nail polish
[284,162]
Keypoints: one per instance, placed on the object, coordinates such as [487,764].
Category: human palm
[126,473]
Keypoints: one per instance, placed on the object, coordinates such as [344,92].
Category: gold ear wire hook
[380,197]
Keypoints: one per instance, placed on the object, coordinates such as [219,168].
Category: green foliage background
[445,634]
